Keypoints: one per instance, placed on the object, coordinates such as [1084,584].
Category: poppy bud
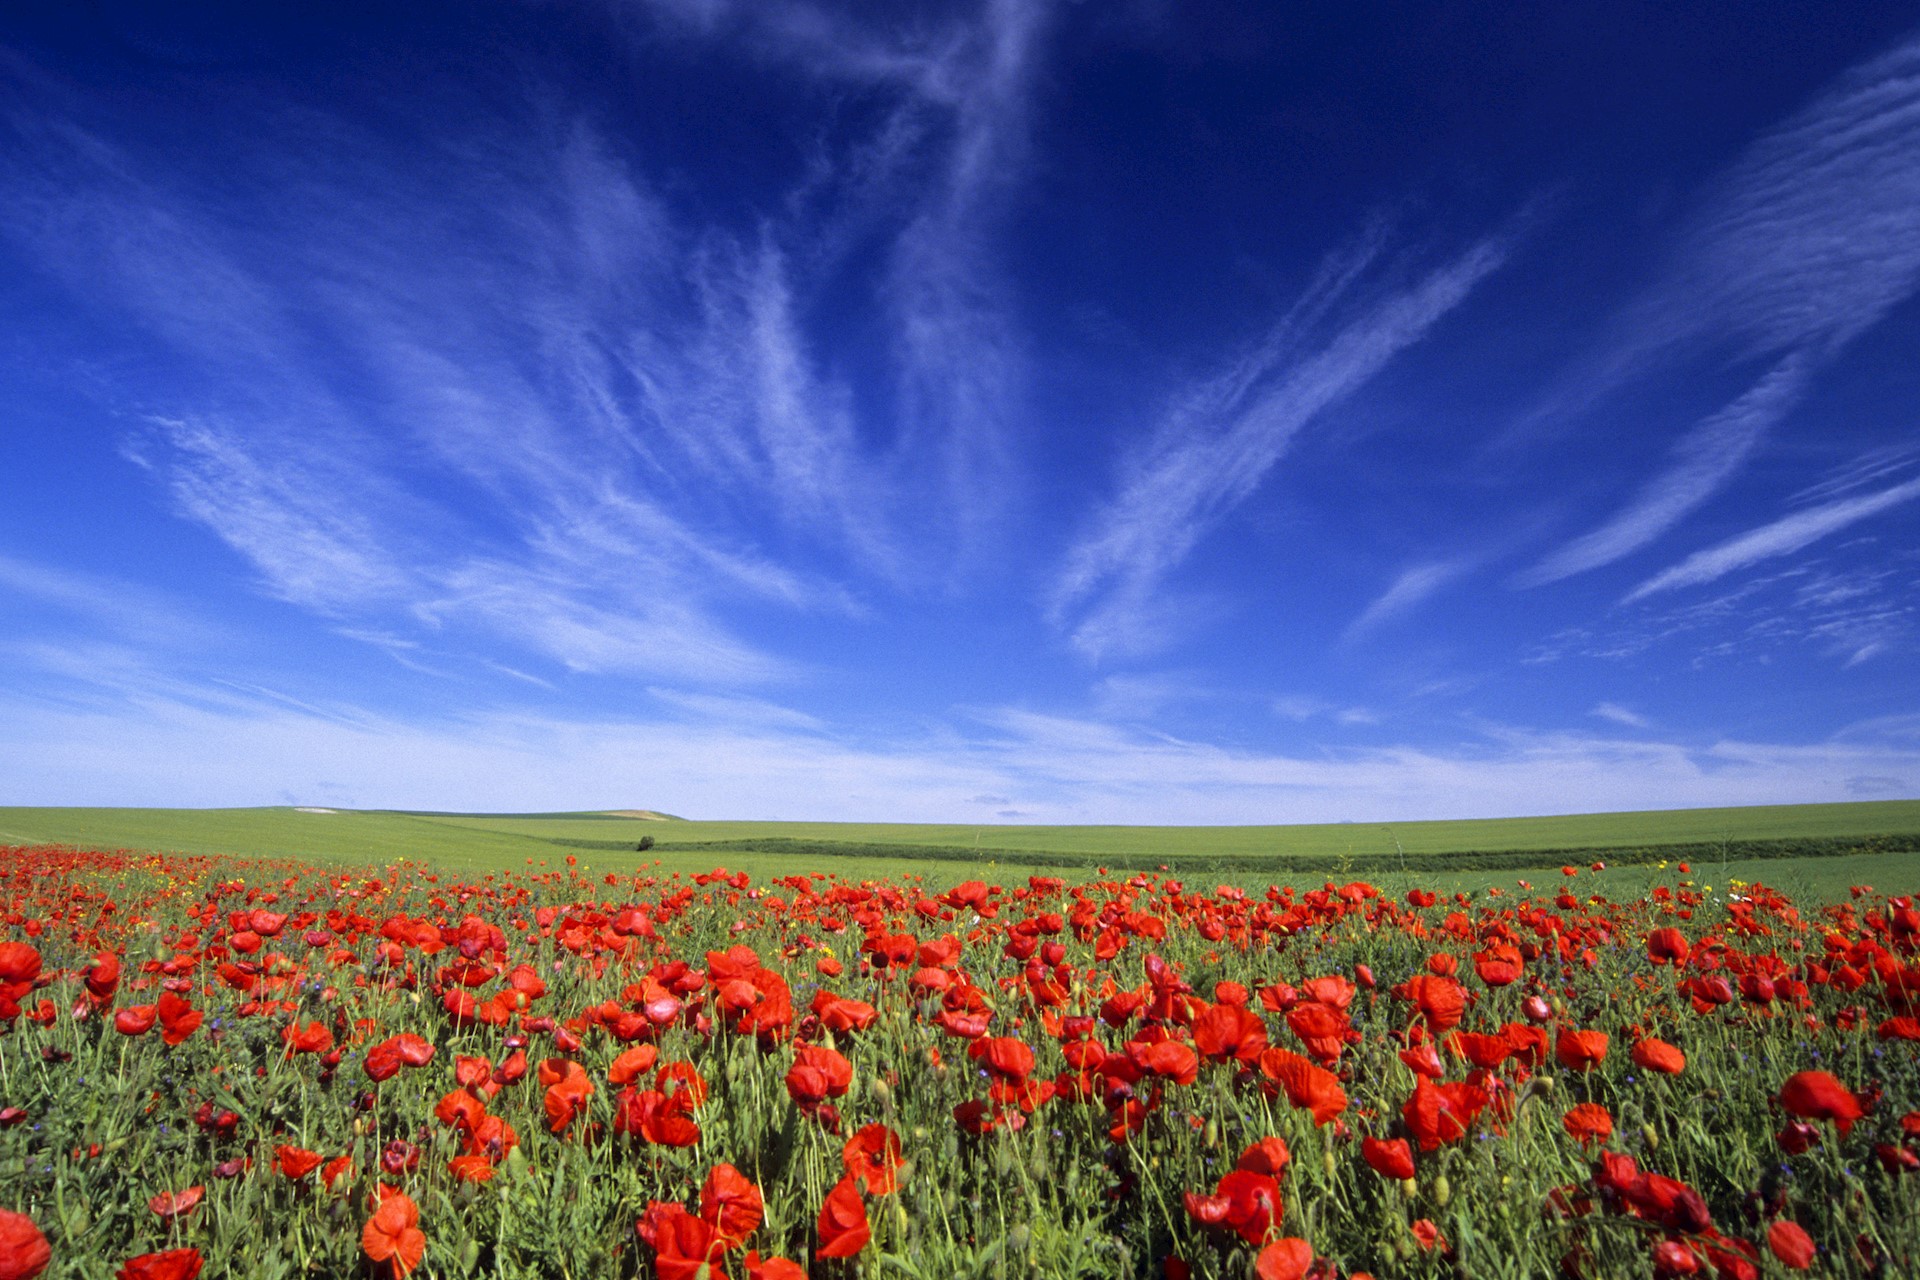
[469,1255]
[1442,1191]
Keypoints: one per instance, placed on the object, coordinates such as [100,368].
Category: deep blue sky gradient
[1006,411]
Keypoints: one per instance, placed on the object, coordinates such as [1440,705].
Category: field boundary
[1703,851]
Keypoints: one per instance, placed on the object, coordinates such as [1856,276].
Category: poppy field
[220,1067]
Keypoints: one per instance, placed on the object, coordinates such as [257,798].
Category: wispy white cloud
[1783,537]
[109,603]
[1620,715]
[1412,586]
[960,87]
[1701,462]
[168,750]
[636,414]
[1806,242]
[1869,468]
[1219,441]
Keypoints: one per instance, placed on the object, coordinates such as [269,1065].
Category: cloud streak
[237,747]
[1803,244]
[1783,537]
[1220,440]
[1406,592]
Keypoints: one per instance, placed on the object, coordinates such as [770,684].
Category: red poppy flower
[872,1158]
[24,1252]
[1388,1157]
[1005,1056]
[178,1019]
[413,1051]
[1438,1114]
[135,1019]
[1816,1095]
[177,1204]
[1657,1055]
[173,1264]
[1668,944]
[567,1098]
[1289,1258]
[685,1247]
[1268,1156]
[1499,965]
[1580,1050]
[19,962]
[296,1162]
[759,1268]
[632,1064]
[1441,1001]
[843,1225]
[311,1037]
[1791,1244]
[818,1073]
[1588,1122]
[732,1204]
[654,1117]
[460,1110]
[471,1168]
[1312,1087]
[1253,1204]
[1171,1059]
[1230,1031]
[392,1235]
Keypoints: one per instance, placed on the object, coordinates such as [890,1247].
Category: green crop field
[1819,847]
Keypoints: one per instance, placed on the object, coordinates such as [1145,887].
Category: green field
[1821,847]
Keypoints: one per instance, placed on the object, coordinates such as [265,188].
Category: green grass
[1319,841]
[1829,844]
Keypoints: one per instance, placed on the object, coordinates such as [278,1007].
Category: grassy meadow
[1816,850]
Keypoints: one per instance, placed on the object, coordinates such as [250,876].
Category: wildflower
[1388,1157]
[176,1204]
[842,1224]
[1289,1258]
[1651,1054]
[1790,1244]
[1580,1050]
[173,1264]
[1816,1095]
[392,1235]
[295,1162]
[872,1158]
[732,1203]
[759,1268]
[1588,1122]
[24,1252]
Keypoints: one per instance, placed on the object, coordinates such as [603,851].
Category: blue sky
[988,412]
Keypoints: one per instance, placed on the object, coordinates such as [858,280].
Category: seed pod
[1019,1238]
